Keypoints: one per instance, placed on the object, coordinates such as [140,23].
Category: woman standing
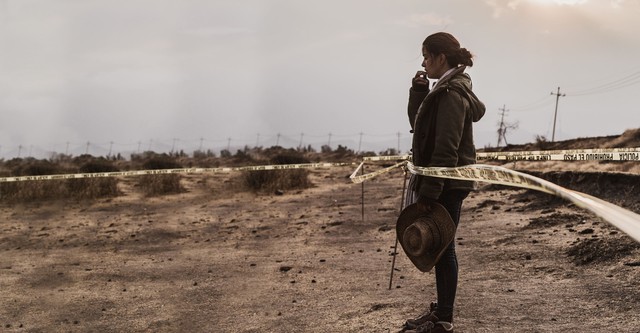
[441,120]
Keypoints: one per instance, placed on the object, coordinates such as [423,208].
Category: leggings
[447,266]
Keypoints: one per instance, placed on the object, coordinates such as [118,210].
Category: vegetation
[153,185]
[279,180]
[264,181]
[80,188]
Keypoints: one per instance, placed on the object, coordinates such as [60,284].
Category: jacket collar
[448,75]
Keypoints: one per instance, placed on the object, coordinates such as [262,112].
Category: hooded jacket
[441,122]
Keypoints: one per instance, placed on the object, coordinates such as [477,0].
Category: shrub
[271,180]
[541,142]
[152,185]
[92,188]
[160,163]
[80,188]
[32,190]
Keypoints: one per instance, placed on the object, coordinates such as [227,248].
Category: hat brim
[445,225]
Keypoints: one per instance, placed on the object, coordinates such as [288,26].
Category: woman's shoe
[427,316]
[429,327]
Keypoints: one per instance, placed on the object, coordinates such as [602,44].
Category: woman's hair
[445,43]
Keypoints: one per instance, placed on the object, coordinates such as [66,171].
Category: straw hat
[424,235]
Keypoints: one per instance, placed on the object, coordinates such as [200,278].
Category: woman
[441,120]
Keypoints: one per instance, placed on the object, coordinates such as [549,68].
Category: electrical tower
[502,130]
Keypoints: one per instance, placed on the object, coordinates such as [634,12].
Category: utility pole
[86,151]
[173,146]
[278,139]
[329,143]
[398,142]
[555,114]
[300,144]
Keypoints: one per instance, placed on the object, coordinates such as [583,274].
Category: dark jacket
[442,130]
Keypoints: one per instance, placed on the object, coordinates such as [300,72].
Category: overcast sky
[130,75]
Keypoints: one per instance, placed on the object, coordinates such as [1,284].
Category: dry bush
[92,188]
[153,185]
[89,188]
[32,190]
[271,180]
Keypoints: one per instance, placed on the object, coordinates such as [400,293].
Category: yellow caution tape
[625,220]
[359,179]
[386,158]
[172,171]
[598,154]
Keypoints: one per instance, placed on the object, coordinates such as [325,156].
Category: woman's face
[434,65]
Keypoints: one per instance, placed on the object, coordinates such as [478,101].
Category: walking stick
[395,247]
[362,201]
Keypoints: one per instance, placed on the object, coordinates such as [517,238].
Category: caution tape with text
[172,171]
[600,154]
[625,220]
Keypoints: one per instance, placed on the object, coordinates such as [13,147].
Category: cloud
[617,3]
[427,19]
[499,6]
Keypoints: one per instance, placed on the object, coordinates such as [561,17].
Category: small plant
[541,142]
[153,185]
[91,188]
[272,180]
[390,152]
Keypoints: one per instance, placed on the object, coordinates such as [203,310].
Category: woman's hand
[420,82]
[424,203]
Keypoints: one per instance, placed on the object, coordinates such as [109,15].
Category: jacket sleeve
[450,123]
[415,99]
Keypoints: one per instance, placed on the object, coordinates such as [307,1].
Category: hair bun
[466,58]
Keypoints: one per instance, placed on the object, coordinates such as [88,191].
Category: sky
[105,77]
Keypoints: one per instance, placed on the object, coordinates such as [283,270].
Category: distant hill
[629,139]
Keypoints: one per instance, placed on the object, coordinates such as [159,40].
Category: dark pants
[447,266]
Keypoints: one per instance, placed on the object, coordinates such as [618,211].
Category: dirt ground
[215,259]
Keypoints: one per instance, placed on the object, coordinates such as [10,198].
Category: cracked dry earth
[215,259]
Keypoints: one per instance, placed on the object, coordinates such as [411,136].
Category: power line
[620,83]
[538,104]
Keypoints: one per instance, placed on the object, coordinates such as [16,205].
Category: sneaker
[429,327]
[427,316]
